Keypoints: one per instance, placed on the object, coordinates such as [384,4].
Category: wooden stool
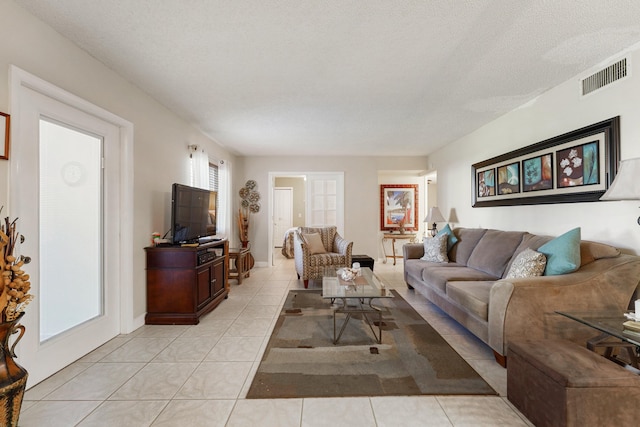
[239,263]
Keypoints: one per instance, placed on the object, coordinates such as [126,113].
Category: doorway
[73,166]
[282,214]
[317,198]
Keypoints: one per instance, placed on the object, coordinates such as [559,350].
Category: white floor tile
[195,413]
[267,413]
[338,412]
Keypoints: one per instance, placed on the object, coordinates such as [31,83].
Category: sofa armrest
[519,307]
[412,251]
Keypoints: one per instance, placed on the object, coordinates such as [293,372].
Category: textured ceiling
[352,77]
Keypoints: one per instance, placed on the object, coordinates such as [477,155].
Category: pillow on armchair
[314,242]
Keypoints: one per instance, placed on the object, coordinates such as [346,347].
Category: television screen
[189,213]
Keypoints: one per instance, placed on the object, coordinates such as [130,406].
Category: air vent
[604,77]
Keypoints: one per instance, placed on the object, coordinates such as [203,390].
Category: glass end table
[613,334]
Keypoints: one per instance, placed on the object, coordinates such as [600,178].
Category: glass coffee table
[354,297]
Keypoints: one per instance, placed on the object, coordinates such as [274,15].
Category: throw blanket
[287,245]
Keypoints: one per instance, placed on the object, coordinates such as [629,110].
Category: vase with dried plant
[14,297]
[249,204]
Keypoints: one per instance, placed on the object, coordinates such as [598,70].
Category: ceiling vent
[604,77]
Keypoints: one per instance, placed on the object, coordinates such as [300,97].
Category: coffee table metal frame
[610,324]
[362,292]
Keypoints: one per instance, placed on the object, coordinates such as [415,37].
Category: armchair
[310,261]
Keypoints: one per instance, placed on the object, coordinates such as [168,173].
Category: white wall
[160,137]
[557,111]
[362,193]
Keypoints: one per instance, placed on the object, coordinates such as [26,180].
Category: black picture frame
[577,166]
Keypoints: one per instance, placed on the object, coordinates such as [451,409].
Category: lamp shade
[626,185]
[434,215]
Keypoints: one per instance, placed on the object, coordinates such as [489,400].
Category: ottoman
[559,383]
[364,260]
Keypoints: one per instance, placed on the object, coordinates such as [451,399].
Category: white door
[325,200]
[68,194]
[282,213]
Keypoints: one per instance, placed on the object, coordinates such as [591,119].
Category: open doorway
[289,212]
[316,200]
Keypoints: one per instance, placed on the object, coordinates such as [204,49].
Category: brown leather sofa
[472,288]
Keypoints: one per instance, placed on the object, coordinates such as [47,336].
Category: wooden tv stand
[185,283]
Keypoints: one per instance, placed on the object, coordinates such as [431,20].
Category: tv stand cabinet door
[205,285]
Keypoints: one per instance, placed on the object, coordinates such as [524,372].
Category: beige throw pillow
[435,249]
[314,242]
[528,263]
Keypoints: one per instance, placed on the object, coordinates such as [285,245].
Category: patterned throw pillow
[314,242]
[435,249]
[528,263]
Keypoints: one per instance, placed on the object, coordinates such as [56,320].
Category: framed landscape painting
[398,206]
[577,166]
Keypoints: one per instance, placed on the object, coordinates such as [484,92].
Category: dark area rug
[413,359]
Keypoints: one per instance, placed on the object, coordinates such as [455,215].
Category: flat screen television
[190,218]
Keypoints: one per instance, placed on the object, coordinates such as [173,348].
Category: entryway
[70,189]
[308,199]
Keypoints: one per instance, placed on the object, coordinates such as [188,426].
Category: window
[213,177]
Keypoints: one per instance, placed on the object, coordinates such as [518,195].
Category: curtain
[199,168]
[224,198]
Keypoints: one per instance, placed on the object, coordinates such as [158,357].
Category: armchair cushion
[314,241]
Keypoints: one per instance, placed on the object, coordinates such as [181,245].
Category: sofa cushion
[439,276]
[527,263]
[414,267]
[468,238]
[474,296]
[529,241]
[435,249]
[314,243]
[563,253]
[494,251]
[451,238]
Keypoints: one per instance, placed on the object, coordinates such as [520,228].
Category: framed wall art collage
[577,166]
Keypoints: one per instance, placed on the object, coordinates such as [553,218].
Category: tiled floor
[199,375]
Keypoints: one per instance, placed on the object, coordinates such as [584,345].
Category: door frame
[305,175]
[124,270]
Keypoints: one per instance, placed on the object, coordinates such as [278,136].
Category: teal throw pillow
[451,238]
[563,253]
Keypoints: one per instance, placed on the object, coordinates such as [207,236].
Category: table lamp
[626,185]
[434,216]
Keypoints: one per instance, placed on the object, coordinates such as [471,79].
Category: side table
[239,263]
[411,237]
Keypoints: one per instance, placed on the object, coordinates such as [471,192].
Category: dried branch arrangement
[250,203]
[14,285]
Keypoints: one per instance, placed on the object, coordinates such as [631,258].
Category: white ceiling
[352,77]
